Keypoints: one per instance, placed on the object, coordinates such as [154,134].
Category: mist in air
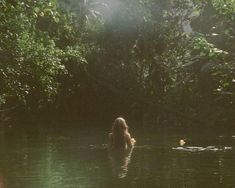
[117,12]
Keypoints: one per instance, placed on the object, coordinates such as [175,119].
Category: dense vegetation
[156,60]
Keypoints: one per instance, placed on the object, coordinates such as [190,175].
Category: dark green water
[79,158]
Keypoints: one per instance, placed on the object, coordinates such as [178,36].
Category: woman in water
[120,138]
[120,148]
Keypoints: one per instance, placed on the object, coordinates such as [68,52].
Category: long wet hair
[119,131]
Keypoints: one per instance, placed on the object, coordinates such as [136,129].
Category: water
[79,158]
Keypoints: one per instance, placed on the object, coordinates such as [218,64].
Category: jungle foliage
[156,60]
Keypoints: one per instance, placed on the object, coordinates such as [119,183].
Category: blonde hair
[119,131]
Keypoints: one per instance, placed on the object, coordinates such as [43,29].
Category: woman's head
[119,126]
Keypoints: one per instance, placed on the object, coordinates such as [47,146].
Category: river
[79,158]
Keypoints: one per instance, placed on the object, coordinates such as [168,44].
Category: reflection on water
[80,158]
[119,161]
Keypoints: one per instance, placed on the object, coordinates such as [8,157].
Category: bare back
[120,143]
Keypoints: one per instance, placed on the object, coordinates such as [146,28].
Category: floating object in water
[182,142]
[210,147]
[228,148]
[194,149]
[199,149]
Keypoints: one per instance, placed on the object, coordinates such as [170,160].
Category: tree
[31,59]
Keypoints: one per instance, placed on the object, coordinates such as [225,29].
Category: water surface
[79,158]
